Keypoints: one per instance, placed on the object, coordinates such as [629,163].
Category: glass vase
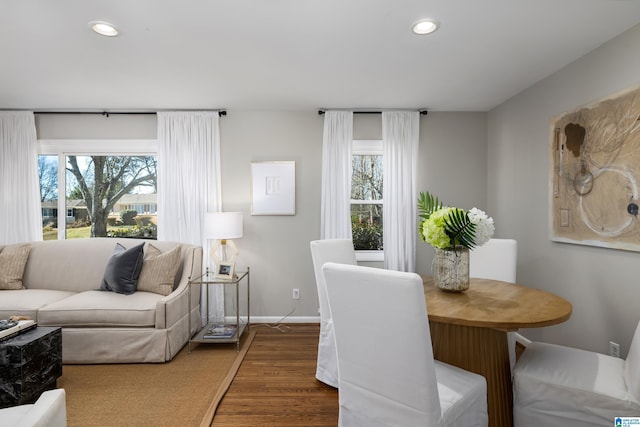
[451,269]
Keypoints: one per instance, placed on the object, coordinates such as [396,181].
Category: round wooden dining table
[469,330]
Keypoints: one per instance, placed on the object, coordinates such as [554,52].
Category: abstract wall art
[595,158]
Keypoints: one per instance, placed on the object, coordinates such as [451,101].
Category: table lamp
[223,227]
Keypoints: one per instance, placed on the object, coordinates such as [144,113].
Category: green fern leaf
[428,204]
[460,229]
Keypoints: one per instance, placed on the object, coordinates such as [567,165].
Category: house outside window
[93,181]
[366,199]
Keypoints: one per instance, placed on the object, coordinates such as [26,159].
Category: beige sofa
[61,284]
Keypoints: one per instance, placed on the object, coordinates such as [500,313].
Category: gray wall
[275,247]
[96,126]
[452,165]
[602,284]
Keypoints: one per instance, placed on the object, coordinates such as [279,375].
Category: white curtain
[400,134]
[189,185]
[335,205]
[20,211]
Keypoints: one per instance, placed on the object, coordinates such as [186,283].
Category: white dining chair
[388,376]
[555,385]
[322,251]
[497,259]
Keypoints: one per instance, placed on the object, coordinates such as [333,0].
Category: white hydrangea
[484,225]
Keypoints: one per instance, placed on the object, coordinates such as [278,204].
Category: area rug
[185,391]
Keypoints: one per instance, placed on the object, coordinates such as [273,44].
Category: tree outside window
[95,185]
[366,195]
[101,181]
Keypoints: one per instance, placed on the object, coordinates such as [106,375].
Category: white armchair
[562,386]
[322,251]
[50,410]
[388,376]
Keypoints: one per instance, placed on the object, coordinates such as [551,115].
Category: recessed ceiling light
[103,28]
[425,26]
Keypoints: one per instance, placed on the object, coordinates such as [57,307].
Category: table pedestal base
[483,351]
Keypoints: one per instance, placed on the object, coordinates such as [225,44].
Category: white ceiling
[292,54]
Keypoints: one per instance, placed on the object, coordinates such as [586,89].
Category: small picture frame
[225,270]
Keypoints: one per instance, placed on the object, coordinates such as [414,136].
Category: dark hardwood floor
[276,384]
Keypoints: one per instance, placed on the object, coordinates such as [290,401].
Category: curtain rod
[109,113]
[422,112]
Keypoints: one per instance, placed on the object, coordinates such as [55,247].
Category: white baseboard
[291,319]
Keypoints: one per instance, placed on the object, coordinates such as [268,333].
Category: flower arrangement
[445,227]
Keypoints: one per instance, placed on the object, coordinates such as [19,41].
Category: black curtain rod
[422,112]
[109,113]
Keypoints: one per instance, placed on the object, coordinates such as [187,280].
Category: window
[366,200]
[97,185]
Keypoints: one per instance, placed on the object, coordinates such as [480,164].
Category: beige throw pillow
[13,260]
[159,270]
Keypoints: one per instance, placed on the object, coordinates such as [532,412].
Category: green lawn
[76,233]
[72,233]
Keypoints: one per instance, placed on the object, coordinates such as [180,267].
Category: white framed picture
[225,270]
[273,188]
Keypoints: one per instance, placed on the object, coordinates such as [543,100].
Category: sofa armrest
[175,306]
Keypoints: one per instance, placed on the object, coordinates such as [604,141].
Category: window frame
[368,147]
[88,147]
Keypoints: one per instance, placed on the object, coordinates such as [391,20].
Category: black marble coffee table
[30,363]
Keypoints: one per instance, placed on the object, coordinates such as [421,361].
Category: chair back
[385,357]
[496,259]
[331,250]
[322,251]
[632,366]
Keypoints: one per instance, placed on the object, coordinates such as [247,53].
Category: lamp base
[224,268]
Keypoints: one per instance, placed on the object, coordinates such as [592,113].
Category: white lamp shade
[223,225]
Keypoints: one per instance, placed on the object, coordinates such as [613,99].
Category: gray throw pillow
[123,269]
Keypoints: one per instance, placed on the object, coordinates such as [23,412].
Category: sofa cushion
[13,259]
[78,265]
[27,302]
[123,269]
[159,270]
[97,308]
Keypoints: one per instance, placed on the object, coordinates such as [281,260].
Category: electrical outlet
[296,293]
[614,349]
